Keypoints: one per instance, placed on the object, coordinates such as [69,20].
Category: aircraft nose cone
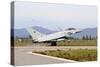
[78,31]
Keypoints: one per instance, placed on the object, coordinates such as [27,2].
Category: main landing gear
[53,43]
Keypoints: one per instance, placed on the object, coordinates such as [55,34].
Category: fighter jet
[51,38]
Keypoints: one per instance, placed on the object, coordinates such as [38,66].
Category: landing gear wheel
[53,43]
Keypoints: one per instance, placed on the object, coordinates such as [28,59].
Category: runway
[22,56]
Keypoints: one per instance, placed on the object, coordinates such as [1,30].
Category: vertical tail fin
[35,34]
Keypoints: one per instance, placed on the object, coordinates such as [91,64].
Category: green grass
[77,55]
[25,42]
[77,43]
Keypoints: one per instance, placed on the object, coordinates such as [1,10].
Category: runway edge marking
[67,60]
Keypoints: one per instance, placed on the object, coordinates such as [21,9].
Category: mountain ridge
[22,33]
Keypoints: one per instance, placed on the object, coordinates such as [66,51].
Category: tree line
[88,37]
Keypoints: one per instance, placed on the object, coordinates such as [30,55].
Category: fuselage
[57,36]
[54,36]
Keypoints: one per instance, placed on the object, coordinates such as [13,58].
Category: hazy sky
[52,16]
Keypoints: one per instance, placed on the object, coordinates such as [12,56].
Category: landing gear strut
[53,43]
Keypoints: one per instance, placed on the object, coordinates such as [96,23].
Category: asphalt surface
[22,56]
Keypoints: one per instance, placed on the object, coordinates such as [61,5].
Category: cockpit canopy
[71,29]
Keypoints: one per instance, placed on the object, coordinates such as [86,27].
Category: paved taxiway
[22,56]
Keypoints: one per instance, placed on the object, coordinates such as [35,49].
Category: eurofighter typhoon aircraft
[51,38]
